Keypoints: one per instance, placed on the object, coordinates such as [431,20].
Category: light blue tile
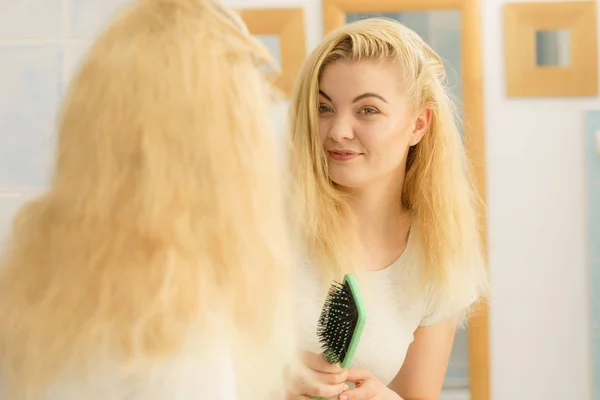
[592,119]
[89,17]
[31,19]
[30,83]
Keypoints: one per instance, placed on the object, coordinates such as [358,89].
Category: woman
[155,267]
[384,192]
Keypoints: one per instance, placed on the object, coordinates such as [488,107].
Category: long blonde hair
[438,187]
[165,208]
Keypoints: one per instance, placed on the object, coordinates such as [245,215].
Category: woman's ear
[422,123]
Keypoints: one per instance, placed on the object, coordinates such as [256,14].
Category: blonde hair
[165,212]
[438,188]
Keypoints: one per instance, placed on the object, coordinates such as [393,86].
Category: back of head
[437,188]
[164,222]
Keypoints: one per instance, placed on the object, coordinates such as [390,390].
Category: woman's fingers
[316,377]
[317,362]
[318,389]
[366,391]
[313,383]
[321,390]
[357,374]
[332,379]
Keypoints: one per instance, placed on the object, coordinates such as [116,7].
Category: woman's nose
[341,130]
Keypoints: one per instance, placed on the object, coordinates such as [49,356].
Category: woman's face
[366,123]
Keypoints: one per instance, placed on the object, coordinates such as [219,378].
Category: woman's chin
[346,180]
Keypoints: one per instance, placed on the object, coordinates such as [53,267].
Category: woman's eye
[324,108]
[369,110]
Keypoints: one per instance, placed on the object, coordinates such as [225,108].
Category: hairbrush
[342,322]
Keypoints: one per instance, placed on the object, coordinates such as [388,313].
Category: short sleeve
[442,304]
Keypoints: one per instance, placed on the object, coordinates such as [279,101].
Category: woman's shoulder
[455,296]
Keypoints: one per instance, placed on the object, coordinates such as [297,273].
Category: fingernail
[346,387]
[343,397]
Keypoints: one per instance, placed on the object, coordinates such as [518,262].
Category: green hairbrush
[342,322]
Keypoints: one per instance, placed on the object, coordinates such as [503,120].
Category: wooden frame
[524,78]
[288,25]
[334,15]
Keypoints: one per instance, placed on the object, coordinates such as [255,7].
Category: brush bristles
[337,322]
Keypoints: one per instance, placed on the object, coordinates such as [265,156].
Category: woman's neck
[382,223]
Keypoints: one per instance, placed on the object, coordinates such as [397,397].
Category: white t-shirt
[395,309]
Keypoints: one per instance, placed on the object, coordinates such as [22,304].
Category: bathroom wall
[40,44]
[539,321]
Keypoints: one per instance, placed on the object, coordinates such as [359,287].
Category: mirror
[552,48]
[282,31]
[441,30]
[273,44]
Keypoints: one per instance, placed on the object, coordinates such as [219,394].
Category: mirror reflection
[552,48]
[273,44]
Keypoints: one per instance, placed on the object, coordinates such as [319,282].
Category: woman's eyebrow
[357,98]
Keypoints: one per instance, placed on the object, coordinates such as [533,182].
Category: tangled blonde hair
[438,187]
[164,221]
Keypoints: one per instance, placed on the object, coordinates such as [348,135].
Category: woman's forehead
[352,78]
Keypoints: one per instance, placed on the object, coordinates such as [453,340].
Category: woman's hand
[314,376]
[367,387]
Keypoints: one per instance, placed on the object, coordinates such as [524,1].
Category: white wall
[540,334]
[540,330]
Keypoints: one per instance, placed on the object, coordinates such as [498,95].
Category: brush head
[341,322]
